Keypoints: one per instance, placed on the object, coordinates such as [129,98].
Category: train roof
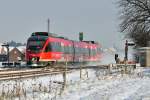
[45,35]
[40,38]
[92,42]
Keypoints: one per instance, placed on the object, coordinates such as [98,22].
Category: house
[16,55]
[3,57]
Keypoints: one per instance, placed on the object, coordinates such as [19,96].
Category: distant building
[3,57]
[3,51]
[144,56]
[16,55]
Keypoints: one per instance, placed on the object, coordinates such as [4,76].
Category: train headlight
[33,59]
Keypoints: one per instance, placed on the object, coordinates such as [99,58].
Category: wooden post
[64,79]
[64,76]
[80,69]
[126,67]
[109,68]
[87,74]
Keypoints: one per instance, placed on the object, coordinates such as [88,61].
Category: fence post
[64,76]
[109,68]
[80,60]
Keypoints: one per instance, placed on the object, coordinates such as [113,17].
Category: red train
[44,48]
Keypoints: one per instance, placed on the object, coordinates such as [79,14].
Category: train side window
[48,48]
[69,49]
[66,49]
[58,46]
[76,50]
[91,53]
[83,51]
[94,51]
[62,48]
[55,46]
[79,50]
[86,51]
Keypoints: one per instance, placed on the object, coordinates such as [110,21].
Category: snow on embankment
[118,87]
[105,87]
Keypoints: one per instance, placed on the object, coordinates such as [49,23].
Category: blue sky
[98,19]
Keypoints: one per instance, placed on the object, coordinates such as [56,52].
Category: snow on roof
[110,50]
[144,48]
[21,48]
[10,48]
[4,49]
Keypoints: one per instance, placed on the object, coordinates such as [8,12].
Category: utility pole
[48,25]
[126,50]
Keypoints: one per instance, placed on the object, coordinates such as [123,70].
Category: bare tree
[135,17]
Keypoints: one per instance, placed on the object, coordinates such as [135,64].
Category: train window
[76,50]
[79,50]
[35,46]
[83,50]
[53,46]
[67,50]
[93,52]
[58,47]
[36,43]
[40,34]
[48,48]
[71,49]
[62,47]
[86,51]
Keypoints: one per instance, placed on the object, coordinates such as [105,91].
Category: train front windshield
[35,46]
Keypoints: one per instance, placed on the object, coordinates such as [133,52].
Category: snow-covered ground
[112,87]
[102,86]
[96,84]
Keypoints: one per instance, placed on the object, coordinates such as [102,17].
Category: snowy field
[95,84]
[92,86]
[112,87]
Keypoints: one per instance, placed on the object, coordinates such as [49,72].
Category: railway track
[13,73]
[16,73]
[26,73]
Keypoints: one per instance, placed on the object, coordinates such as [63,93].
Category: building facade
[15,55]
